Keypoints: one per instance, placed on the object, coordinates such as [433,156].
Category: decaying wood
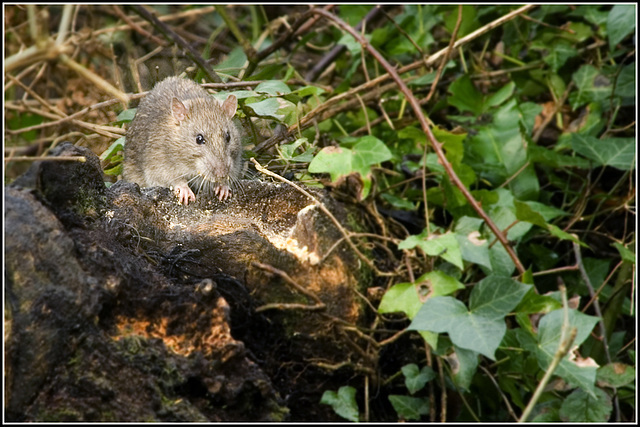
[124,305]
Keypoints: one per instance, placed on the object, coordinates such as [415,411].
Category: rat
[181,135]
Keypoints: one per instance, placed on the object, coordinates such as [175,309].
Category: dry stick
[291,282]
[567,336]
[324,209]
[95,79]
[172,35]
[81,159]
[437,146]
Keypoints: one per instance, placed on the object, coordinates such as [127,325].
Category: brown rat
[181,135]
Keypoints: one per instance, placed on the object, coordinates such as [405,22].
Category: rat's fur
[162,145]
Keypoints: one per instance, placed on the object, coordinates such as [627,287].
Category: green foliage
[342,161]
[479,328]
[343,402]
[536,118]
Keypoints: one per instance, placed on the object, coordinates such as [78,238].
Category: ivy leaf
[559,54]
[473,247]
[619,153]
[367,152]
[549,334]
[401,297]
[342,161]
[581,407]
[439,283]
[591,87]
[464,364]
[273,87]
[465,96]
[615,375]
[620,23]
[415,378]
[409,408]
[343,402]
[482,327]
[444,245]
[267,108]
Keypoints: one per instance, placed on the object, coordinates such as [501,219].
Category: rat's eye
[227,137]
[200,139]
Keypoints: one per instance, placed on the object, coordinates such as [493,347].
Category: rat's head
[209,140]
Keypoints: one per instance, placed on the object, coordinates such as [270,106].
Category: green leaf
[615,375]
[500,96]
[399,202]
[536,303]
[439,283]
[620,23]
[581,407]
[474,248]
[234,62]
[309,91]
[343,402]
[401,297]
[494,296]
[273,87]
[444,245]
[415,379]
[591,87]
[126,115]
[482,327]
[546,412]
[556,160]
[498,151]
[619,153]
[334,160]
[559,54]
[267,108]
[287,151]
[549,334]
[465,97]
[625,253]
[118,145]
[409,408]
[341,161]
[626,84]
[367,152]
[464,364]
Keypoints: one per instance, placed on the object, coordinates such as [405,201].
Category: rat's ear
[230,105]
[178,109]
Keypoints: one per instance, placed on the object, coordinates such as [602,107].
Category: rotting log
[122,305]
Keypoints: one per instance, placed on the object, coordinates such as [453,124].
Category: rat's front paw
[184,193]
[222,191]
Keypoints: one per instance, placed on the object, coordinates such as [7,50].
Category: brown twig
[292,283]
[437,146]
